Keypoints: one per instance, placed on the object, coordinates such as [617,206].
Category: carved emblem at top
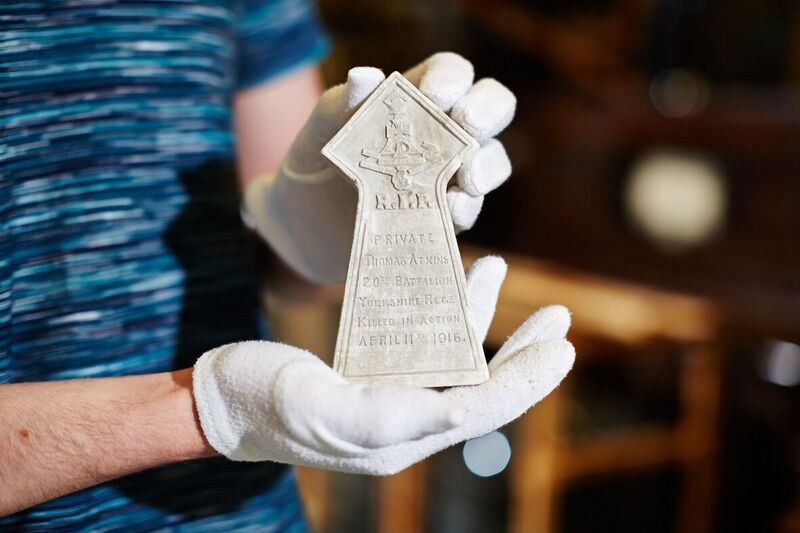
[402,155]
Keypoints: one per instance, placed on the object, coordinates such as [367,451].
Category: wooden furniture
[544,460]
[630,316]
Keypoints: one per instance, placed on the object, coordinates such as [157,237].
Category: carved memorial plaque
[404,318]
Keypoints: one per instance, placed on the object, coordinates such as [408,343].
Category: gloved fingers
[485,110]
[516,386]
[547,324]
[527,378]
[541,366]
[484,278]
[464,208]
[332,415]
[338,103]
[361,81]
[486,170]
[444,77]
[388,414]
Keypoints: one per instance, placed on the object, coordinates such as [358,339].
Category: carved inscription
[405,317]
[405,200]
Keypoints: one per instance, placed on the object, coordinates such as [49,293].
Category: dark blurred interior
[656,150]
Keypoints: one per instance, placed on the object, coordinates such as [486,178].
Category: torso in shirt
[121,247]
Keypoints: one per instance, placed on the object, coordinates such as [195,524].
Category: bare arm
[267,118]
[61,436]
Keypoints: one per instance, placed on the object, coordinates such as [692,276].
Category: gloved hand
[261,400]
[306,211]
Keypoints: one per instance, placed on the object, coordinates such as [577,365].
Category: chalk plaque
[404,318]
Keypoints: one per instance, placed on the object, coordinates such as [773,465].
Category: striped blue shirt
[121,248]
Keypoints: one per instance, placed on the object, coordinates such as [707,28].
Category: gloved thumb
[361,81]
[484,278]
[390,414]
[335,107]
[338,103]
[336,416]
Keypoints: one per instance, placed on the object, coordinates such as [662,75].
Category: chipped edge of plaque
[480,372]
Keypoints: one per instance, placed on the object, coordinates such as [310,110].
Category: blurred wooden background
[675,418]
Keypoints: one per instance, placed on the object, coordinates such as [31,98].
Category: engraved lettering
[405,239]
[440,319]
[402,201]
[369,322]
[428,260]
[423,201]
[371,260]
[391,339]
[430,281]
[405,316]
[381,201]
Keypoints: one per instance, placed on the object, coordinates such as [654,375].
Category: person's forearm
[58,437]
[268,117]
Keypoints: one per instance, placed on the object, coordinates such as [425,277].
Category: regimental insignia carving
[402,156]
[405,318]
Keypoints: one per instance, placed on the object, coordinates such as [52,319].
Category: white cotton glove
[265,401]
[306,211]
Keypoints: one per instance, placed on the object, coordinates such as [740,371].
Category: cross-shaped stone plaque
[404,318]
